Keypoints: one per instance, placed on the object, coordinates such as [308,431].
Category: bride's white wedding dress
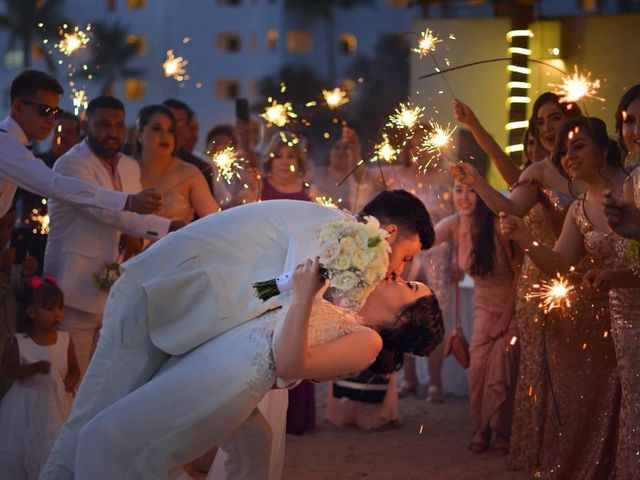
[197,400]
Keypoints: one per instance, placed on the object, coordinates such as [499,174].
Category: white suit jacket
[198,280]
[18,167]
[82,238]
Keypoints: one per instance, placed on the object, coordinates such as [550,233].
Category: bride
[167,422]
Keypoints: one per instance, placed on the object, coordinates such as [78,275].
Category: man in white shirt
[35,97]
[83,238]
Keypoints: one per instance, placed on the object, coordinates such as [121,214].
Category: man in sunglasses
[35,99]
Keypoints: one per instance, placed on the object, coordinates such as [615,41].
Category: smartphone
[242,109]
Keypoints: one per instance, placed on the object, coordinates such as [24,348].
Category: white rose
[344,281]
[373,275]
[362,238]
[347,244]
[342,262]
[329,250]
[360,259]
[329,232]
[372,222]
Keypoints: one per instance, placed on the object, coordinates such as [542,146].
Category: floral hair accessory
[35,282]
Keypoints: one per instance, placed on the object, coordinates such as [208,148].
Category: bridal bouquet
[106,276]
[354,257]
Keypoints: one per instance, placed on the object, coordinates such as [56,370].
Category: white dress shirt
[19,167]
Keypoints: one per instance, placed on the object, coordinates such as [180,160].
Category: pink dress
[494,360]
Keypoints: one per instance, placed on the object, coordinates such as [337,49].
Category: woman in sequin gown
[625,302]
[584,387]
[541,195]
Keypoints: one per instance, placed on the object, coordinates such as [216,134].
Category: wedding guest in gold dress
[584,388]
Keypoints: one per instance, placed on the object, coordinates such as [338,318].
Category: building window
[135,89]
[252,88]
[253,41]
[348,43]
[230,3]
[140,41]
[111,5]
[227,88]
[588,5]
[348,85]
[299,41]
[229,42]
[272,40]
[136,4]
[398,3]
[14,58]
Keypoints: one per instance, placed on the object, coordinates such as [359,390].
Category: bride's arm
[296,360]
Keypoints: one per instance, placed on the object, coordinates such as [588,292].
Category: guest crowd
[556,389]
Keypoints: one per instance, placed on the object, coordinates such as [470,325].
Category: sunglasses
[44,110]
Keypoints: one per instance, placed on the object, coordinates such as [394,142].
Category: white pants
[127,425]
[84,329]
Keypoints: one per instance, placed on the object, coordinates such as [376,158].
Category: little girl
[43,363]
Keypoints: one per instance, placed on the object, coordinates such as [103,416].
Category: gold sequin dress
[531,388]
[583,395]
[625,322]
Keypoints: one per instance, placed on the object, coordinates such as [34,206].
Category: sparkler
[427,43]
[553,294]
[72,41]
[174,67]
[80,100]
[227,163]
[576,86]
[328,201]
[437,139]
[278,114]
[335,98]
[385,151]
[406,116]
[41,222]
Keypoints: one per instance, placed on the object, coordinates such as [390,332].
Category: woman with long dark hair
[582,360]
[482,253]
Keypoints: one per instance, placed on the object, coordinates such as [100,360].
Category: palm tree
[21,18]
[325,10]
[111,53]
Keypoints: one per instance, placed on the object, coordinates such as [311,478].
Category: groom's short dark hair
[404,210]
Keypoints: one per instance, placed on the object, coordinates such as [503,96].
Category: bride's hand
[306,281]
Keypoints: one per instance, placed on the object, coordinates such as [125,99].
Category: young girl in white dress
[44,365]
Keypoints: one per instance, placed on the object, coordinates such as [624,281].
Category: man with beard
[82,238]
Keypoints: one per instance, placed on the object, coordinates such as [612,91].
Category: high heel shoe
[406,389]
[479,442]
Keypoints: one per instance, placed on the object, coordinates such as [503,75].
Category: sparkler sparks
[427,43]
[80,100]
[576,86]
[328,201]
[437,138]
[73,41]
[174,67]
[278,114]
[406,116]
[385,151]
[553,294]
[335,98]
[227,164]
[41,222]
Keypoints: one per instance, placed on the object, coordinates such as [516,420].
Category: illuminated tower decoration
[518,90]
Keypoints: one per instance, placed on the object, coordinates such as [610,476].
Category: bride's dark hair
[421,330]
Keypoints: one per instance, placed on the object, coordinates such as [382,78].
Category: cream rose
[360,259]
[329,250]
[344,281]
[342,262]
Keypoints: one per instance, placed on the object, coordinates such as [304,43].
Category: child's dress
[33,410]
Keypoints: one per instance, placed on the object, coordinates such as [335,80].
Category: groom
[196,283]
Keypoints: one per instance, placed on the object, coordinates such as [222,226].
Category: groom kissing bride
[187,351]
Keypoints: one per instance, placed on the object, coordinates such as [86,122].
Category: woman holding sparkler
[540,194]
[625,302]
[482,253]
[184,192]
[583,368]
